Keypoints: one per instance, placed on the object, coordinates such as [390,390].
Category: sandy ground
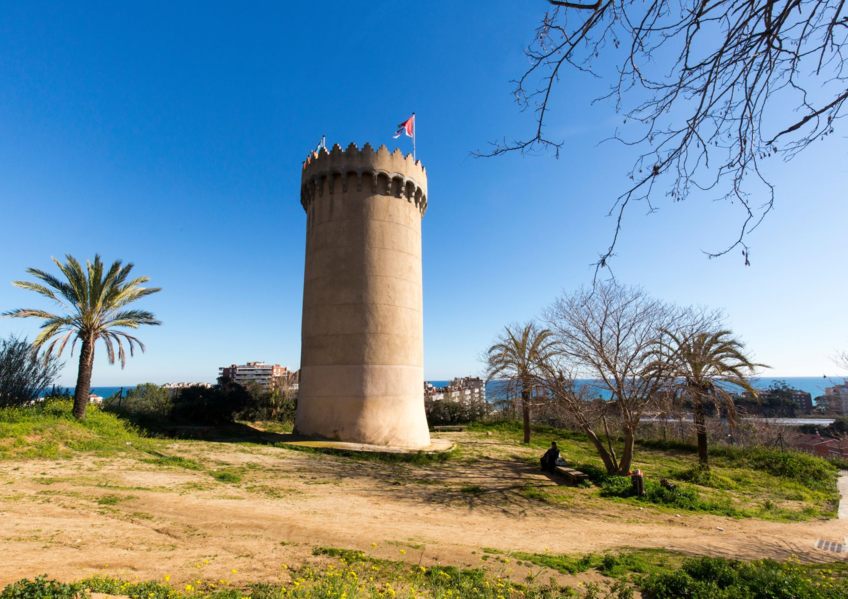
[70,518]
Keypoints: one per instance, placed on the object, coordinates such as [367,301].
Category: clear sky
[172,135]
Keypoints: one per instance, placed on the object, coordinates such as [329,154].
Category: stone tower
[362,349]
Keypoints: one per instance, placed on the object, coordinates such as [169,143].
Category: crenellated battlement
[380,172]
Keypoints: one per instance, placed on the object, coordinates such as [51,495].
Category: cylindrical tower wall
[361,377]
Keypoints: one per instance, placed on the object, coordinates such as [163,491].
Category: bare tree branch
[701,86]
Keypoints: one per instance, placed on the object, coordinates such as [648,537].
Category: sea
[815,386]
[101,391]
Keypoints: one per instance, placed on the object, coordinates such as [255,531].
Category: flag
[407,127]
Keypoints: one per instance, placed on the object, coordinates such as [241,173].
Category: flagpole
[414,133]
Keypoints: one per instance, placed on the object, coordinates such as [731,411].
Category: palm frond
[62,287]
[48,330]
[94,298]
[29,313]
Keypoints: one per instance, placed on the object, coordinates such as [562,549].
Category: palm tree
[514,357]
[704,364]
[93,302]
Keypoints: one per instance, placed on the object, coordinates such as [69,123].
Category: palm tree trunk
[83,387]
[700,431]
[525,408]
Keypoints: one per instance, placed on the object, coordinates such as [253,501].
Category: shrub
[811,471]
[703,477]
[41,588]
[23,373]
[451,411]
[679,497]
[137,590]
[719,578]
[218,404]
[276,405]
[148,400]
[227,477]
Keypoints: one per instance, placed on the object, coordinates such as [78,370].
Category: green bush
[278,405]
[679,497]
[218,404]
[147,400]
[227,477]
[719,578]
[136,590]
[813,472]
[703,477]
[41,588]
[23,373]
[451,411]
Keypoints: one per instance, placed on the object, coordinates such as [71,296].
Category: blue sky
[172,135]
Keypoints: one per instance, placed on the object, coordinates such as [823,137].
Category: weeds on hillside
[49,430]
[718,578]
[638,561]
[358,579]
[657,574]
[743,482]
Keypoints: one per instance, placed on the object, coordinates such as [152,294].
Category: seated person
[550,458]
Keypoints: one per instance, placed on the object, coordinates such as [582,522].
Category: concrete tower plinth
[362,352]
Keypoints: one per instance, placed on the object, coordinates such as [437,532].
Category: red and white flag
[407,127]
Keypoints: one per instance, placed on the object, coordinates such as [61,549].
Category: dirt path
[69,518]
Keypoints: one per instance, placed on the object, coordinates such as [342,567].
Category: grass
[226,476]
[172,461]
[742,483]
[418,458]
[639,561]
[112,499]
[49,430]
[718,578]
[354,574]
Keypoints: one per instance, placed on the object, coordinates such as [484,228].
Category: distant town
[772,402]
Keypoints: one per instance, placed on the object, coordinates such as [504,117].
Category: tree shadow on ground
[512,485]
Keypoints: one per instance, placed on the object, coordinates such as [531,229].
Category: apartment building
[837,399]
[259,372]
[462,388]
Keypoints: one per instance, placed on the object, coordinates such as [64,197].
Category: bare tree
[606,335]
[841,360]
[578,404]
[706,90]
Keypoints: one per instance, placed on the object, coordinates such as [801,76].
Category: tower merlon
[386,173]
